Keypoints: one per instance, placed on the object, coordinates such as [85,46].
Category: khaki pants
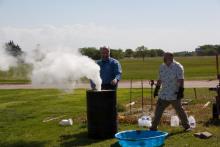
[162,104]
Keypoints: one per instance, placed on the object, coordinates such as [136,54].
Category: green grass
[22,113]
[17,74]
[196,68]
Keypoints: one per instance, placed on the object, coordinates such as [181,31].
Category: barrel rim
[99,91]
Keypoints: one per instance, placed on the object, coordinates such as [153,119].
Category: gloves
[180,93]
[156,91]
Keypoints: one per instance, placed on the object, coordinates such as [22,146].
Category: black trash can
[215,111]
[101,114]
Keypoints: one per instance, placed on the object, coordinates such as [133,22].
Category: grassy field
[196,68]
[17,74]
[22,113]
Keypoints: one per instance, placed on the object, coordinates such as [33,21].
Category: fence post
[142,90]
[130,93]
[195,93]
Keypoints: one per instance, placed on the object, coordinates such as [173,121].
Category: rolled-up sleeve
[117,70]
[180,72]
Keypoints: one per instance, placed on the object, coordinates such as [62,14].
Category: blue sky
[173,25]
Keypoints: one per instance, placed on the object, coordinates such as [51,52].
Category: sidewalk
[122,84]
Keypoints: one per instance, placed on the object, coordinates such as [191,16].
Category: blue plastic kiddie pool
[141,138]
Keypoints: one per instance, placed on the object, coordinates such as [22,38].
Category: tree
[91,52]
[141,51]
[117,53]
[160,52]
[129,53]
[152,53]
[13,49]
[207,50]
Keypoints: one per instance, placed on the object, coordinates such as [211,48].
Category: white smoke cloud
[52,53]
[48,36]
[6,61]
[57,68]
[64,69]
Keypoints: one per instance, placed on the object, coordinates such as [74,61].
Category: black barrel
[101,114]
[215,111]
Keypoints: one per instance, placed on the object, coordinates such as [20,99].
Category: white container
[174,121]
[192,121]
[66,122]
[145,121]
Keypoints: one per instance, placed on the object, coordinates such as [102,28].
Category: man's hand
[156,90]
[180,93]
[114,82]
[92,84]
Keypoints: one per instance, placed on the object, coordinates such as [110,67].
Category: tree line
[208,50]
[143,52]
[140,52]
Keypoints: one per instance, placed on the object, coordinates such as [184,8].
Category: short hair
[169,54]
[104,47]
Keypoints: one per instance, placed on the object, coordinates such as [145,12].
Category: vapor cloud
[6,61]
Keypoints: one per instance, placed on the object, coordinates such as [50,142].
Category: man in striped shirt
[171,77]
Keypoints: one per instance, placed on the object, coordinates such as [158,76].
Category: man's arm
[92,84]
[158,84]
[117,71]
[180,81]
[157,88]
[180,93]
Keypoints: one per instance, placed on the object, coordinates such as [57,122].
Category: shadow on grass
[212,122]
[22,143]
[176,133]
[116,144]
[80,139]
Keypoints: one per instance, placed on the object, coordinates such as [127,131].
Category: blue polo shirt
[109,70]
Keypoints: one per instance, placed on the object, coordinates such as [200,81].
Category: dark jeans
[162,104]
[109,87]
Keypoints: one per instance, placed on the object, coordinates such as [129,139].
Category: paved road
[122,84]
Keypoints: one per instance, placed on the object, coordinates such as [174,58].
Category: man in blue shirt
[110,70]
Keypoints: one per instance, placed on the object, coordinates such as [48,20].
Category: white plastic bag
[174,121]
[192,121]
[145,121]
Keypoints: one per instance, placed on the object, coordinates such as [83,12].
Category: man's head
[105,53]
[168,58]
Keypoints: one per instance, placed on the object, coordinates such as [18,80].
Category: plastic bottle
[145,121]
[192,121]
[66,122]
[174,121]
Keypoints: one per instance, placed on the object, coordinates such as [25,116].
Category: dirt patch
[131,116]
